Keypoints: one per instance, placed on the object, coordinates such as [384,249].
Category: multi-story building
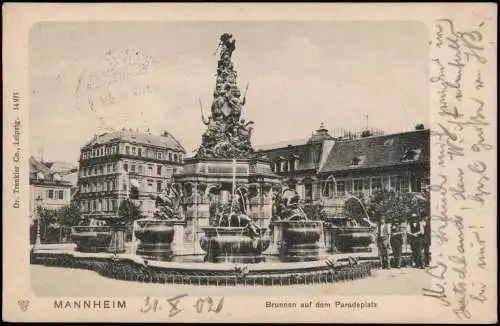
[125,164]
[298,162]
[323,167]
[399,162]
[48,189]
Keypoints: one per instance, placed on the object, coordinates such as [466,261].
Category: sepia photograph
[184,163]
[245,196]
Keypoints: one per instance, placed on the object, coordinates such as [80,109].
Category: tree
[69,215]
[47,219]
[314,211]
[366,133]
[354,208]
[397,207]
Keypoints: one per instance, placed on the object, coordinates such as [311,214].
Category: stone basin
[233,244]
[98,239]
[156,238]
[299,240]
[344,239]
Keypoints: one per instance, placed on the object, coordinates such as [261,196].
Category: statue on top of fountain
[227,135]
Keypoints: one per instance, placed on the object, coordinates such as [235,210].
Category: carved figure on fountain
[233,236]
[156,234]
[228,139]
[298,235]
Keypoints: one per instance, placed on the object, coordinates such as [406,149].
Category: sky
[299,74]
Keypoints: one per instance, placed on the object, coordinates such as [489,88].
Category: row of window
[99,205]
[285,165]
[150,170]
[101,151]
[127,167]
[397,183]
[132,150]
[99,169]
[110,185]
[55,194]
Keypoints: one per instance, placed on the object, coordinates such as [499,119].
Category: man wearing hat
[384,242]
[397,243]
[416,232]
[426,241]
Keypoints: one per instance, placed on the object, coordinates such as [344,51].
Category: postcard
[250,163]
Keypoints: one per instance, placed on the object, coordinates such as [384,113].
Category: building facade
[125,164]
[323,167]
[298,162]
[48,189]
[399,162]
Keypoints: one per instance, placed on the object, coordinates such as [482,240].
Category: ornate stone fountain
[234,237]
[99,238]
[225,162]
[156,234]
[297,238]
[347,233]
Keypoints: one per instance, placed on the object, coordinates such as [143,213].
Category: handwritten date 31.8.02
[176,305]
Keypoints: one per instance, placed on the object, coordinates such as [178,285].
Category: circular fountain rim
[298,221]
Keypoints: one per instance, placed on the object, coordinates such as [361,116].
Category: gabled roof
[36,166]
[273,146]
[61,166]
[378,151]
[166,140]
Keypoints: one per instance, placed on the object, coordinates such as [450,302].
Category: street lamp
[38,201]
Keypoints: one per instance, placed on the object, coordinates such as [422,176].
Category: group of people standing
[393,236]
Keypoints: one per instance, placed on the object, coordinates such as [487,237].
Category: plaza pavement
[57,281]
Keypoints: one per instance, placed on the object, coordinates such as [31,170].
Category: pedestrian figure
[397,243]
[416,240]
[426,223]
[383,242]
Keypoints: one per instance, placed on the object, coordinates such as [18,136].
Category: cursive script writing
[462,181]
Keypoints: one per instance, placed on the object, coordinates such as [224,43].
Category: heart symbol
[23,304]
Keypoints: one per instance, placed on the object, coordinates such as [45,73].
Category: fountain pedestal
[211,181]
[298,240]
[233,245]
[156,238]
[99,238]
[178,242]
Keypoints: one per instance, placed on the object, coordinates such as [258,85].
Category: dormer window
[389,142]
[412,154]
[358,160]
[295,162]
[57,177]
[40,176]
[284,166]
